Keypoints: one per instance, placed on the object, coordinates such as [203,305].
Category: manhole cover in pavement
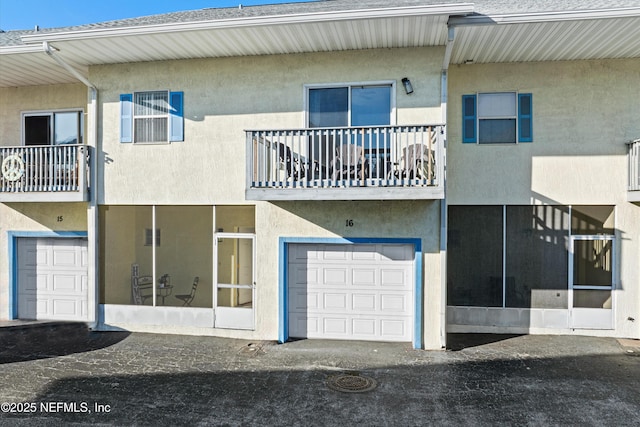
[351,383]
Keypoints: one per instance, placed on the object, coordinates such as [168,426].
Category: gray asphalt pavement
[55,376]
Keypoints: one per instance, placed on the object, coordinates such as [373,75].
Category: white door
[591,281]
[360,291]
[235,280]
[52,279]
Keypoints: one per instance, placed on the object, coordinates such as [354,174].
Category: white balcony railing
[44,169]
[633,150]
[330,158]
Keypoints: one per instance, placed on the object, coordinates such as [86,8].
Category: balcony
[633,154]
[51,173]
[363,163]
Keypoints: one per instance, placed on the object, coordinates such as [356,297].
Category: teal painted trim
[283,314]
[469,119]
[525,117]
[126,117]
[13,278]
[176,118]
[283,294]
[417,292]
[12,237]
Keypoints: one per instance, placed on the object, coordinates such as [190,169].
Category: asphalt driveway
[119,378]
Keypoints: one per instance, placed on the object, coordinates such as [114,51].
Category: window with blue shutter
[497,118]
[469,118]
[525,117]
[176,117]
[126,117]
[152,117]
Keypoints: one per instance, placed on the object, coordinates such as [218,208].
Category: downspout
[443,204]
[92,211]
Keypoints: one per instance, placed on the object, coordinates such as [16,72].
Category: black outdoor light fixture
[407,85]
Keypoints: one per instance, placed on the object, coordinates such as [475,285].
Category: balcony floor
[45,196]
[347,193]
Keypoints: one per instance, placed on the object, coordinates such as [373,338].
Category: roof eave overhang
[541,17]
[293,19]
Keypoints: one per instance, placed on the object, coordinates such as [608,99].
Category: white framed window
[497,118]
[350,104]
[60,127]
[151,117]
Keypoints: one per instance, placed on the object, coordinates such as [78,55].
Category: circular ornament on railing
[12,167]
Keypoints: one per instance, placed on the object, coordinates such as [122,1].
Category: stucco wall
[375,219]
[583,114]
[222,98]
[34,217]
[16,100]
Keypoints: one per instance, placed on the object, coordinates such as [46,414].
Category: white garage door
[361,292]
[52,279]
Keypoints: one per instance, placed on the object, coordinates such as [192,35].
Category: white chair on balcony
[418,162]
[349,163]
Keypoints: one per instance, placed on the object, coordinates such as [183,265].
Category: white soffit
[260,40]
[263,35]
[547,37]
[33,67]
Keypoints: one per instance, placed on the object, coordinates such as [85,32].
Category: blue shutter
[525,117]
[176,118]
[469,119]
[126,117]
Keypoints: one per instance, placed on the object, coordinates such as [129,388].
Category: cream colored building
[334,170]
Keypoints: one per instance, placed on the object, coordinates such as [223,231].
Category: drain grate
[351,383]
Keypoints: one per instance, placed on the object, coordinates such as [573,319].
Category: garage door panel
[364,327]
[364,276]
[334,302]
[394,303]
[65,307]
[43,283]
[396,252]
[394,328]
[335,276]
[301,325]
[44,256]
[363,302]
[329,254]
[28,307]
[29,255]
[300,275]
[365,294]
[84,258]
[66,283]
[56,286]
[66,257]
[28,281]
[300,299]
[391,277]
[335,327]
[364,253]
